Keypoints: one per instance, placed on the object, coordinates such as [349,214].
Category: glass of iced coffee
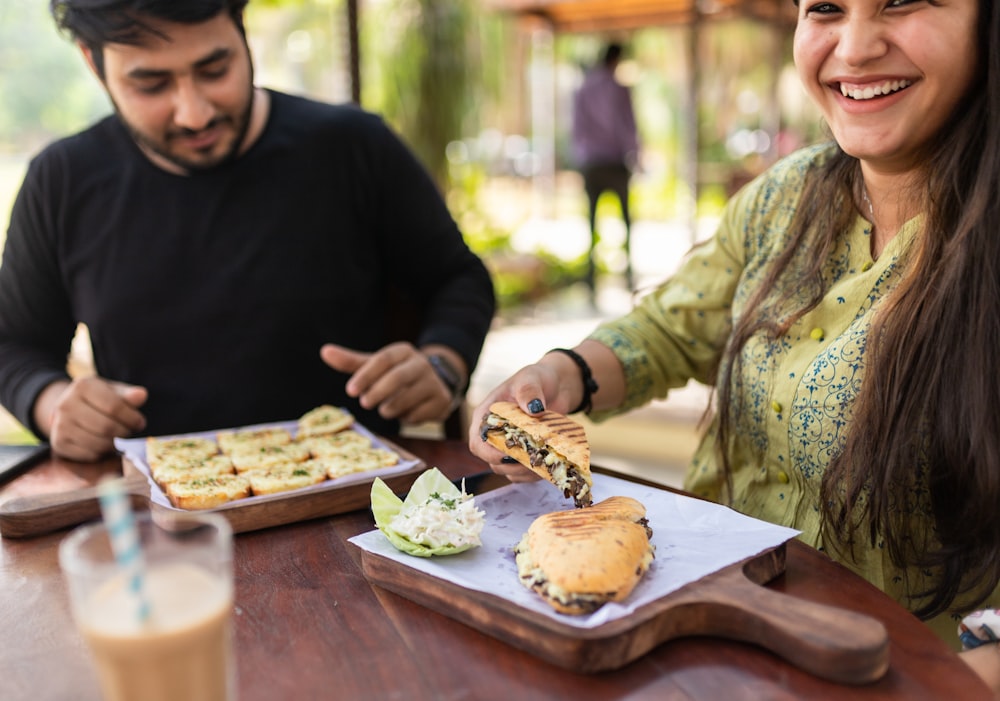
[163,632]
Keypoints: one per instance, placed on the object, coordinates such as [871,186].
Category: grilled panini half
[578,560]
[549,444]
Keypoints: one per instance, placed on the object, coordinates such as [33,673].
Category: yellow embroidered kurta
[797,392]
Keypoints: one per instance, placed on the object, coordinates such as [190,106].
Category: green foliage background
[439,71]
[46,89]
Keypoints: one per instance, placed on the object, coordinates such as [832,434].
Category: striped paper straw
[124,538]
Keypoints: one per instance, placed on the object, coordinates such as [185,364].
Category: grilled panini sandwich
[548,444]
[578,560]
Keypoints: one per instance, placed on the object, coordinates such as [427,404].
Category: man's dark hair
[612,54]
[99,22]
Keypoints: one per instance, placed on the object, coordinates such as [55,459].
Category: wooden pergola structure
[582,16]
[578,16]
[614,17]
[611,17]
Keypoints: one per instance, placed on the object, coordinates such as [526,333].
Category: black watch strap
[448,373]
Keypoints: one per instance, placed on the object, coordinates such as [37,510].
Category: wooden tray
[831,643]
[38,514]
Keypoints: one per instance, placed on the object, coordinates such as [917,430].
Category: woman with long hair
[847,311]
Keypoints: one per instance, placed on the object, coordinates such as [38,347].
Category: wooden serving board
[831,643]
[38,514]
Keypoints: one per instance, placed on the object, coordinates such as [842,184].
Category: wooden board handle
[832,643]
[44,513]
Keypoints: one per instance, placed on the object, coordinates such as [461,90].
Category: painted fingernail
[535,406]
[508,459]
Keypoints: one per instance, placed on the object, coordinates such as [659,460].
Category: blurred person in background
[605,146]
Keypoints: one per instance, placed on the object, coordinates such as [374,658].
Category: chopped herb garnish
[448,503]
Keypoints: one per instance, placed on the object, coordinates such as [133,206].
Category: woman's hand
[534,388]
[554,383]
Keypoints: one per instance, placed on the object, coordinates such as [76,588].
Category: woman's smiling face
[886,74]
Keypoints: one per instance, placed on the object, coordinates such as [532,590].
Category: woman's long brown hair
[926,421]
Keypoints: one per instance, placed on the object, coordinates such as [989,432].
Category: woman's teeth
[867,93]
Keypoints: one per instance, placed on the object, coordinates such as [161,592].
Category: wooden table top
[308,625]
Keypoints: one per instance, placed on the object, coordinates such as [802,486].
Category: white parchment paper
[693,538]
[135,450]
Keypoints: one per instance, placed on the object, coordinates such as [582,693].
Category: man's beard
[241,124]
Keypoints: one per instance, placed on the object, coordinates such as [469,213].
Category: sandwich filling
[566,476]
[534,578]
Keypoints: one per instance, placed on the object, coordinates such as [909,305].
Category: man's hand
[82,418]
[398,380]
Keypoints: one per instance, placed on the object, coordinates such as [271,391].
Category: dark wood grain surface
[308,625]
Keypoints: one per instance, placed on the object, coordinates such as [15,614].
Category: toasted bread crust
[269,456]
[551,445]
[335,443]
[282,478]
[209,492]
[159,449]
[618,508]
[252,439]
[324,419]
[560,432]
[579,560]
[174,470]
[359,460]
[203,472]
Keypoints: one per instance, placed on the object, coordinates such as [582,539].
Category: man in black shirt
[238,255]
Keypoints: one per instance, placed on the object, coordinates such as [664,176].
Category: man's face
[185,96]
